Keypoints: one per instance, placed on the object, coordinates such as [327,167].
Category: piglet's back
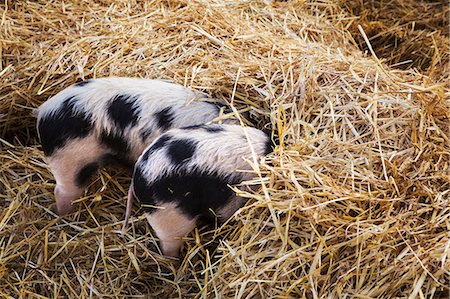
[215,149]
[137,110]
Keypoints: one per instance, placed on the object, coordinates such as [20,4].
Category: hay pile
[407,33]
[354,202]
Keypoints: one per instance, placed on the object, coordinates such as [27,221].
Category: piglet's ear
[274,140]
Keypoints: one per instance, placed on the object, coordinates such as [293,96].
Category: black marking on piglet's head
[82,83]
[123,111]
[65,123]
[181,150]
[159,143]
[86,173]
[165,118]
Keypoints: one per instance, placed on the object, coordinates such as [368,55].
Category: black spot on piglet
[195,193]
[159,143]
[67,122]
[140,187]
[145,134]
[86,173]
[213,128]
[122,111]
[193,127]
[116,142]
[181,150]
[165,118]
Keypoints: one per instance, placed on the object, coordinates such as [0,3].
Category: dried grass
[353,203]
[407,33]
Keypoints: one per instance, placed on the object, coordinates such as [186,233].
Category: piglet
[96,122]
[183,176]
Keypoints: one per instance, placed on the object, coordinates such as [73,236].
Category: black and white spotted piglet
[96,122]
[183,176]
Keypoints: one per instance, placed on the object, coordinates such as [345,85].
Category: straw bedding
[407,33]
[354,202]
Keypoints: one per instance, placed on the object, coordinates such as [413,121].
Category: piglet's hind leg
[170,225]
